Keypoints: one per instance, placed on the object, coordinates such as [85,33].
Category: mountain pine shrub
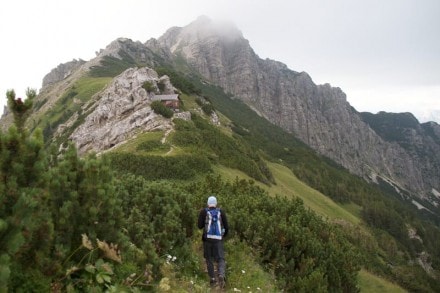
[161,109]
[160,220]
[26,229]
[149,86]
[305,253]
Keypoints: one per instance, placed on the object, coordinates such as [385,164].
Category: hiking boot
[212,282]
[221,281]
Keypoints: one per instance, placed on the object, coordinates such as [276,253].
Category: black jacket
[202,219]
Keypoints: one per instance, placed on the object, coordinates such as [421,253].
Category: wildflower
[170,258]
[110,251]
[237,290]
[86,242]
[243,271]
[258,288]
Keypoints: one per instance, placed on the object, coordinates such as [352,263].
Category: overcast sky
[384,54]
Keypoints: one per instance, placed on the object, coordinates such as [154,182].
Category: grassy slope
[82,90]
[289,185]
[371,283]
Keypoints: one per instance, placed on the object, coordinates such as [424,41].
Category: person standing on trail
[215,224]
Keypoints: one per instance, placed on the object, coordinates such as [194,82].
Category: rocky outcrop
[61,72]
[319,115]
[121,110]
[129,51]
[420,141]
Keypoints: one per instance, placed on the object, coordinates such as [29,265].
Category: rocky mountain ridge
[121,110]
[61,72]
[420,140]
[319,115]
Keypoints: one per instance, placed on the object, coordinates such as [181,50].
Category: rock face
[420,141]
[61,72]
[317,114]
[121,110]
[128,50]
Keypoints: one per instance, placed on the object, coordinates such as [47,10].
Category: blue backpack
[213,224]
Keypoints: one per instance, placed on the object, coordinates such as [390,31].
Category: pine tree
[83,201]
[63,187]
[21,109]
[46,204]
[101,211]
[24,226]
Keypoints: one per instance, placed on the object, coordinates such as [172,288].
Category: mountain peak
[203,19]
[202,30]
[225,28]
[204,26]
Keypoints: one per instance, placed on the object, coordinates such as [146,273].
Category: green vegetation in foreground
[287,184]
[244,272]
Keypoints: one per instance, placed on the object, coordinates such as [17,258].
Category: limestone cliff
[420,141]
[317,114]
[61,72]
[121,110]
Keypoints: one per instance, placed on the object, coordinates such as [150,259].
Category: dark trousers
[213,251]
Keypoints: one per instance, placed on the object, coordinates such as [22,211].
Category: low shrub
[161,109]
[158,167]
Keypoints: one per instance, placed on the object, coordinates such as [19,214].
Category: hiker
[215,224]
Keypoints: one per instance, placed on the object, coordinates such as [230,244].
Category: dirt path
[164,138]
[170,151]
